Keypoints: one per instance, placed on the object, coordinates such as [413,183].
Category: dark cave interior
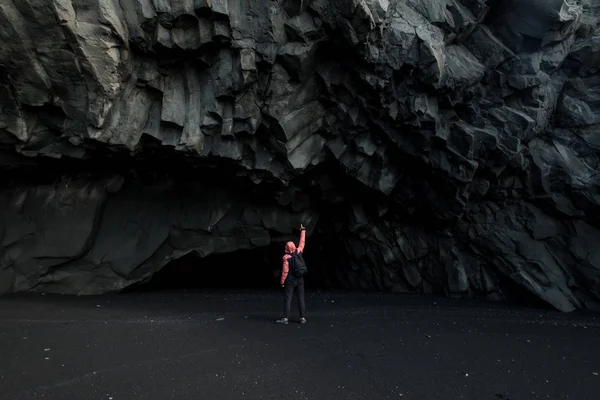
[257,269]
[242,269]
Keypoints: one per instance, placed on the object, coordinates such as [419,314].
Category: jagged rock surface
[451,146]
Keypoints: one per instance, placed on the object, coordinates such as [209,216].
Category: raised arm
[302,239]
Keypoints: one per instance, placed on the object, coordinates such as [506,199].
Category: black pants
[291,286]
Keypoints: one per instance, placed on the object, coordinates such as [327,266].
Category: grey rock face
[449,146]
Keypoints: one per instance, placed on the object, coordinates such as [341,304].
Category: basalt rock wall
[448,146]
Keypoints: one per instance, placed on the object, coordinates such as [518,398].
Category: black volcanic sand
[224,345]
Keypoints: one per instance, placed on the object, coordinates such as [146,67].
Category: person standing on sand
[292,277]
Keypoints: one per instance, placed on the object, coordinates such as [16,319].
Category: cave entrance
[257,269]
[242,269]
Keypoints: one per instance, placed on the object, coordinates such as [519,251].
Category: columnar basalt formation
[448,146]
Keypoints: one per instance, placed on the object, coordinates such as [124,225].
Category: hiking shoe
[302,320]
[283,321]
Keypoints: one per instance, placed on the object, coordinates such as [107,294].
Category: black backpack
[297,265]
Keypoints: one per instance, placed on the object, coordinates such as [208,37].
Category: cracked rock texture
[446,146]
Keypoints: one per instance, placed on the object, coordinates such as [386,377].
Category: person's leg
[300,295]
[289,291]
